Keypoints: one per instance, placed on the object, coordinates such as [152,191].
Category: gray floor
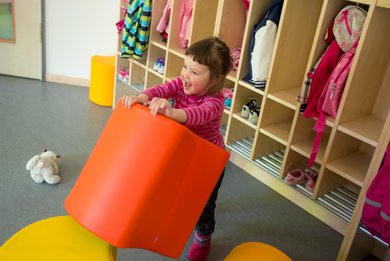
[36,115]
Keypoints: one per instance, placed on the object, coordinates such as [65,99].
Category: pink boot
[200,248]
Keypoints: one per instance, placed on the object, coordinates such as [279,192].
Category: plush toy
[44,167]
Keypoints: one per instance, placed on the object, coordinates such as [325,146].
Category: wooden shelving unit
[353,143]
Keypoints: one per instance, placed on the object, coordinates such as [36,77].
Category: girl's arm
[165,90]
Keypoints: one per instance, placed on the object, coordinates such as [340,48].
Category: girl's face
[195,77]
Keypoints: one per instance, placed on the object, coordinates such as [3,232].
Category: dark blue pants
[206,222]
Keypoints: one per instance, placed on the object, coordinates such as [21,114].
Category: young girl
[199,105]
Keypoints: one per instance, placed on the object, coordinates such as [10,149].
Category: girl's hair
[215,54]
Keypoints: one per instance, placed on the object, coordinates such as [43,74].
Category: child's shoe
[295,176]
[200,248]
[161,69]
[156,65]
[254,116]
[246,109]
[311,179]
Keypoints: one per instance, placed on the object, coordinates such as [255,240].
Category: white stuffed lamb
[44,167]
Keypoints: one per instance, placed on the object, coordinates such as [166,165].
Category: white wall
[75,31]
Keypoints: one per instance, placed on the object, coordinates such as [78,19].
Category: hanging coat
[376,208]
[135,34]
[262,45]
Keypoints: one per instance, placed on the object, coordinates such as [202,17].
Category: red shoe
[200,248]
[294,177]
[311,180]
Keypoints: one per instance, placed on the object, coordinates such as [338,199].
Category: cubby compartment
[138,74]
[240,138]
[367,105]
[337,194]
[256,11]
[122,69]
[122,89]
[290,60]
[268,154]
[157,13]
[276,121]
[175,65]
[303,137]
[204,13]
[295,161]
[152,80]
[350,158]
[174,29]
[155,53]
[229,30]
[228,86]
[243,96]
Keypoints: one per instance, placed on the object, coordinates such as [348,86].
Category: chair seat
[58,238]
[256,251]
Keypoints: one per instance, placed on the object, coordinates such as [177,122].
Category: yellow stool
[58,238]
[256,251]
[101,89]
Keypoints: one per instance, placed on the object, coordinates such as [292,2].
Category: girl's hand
[128,101]
[160,105]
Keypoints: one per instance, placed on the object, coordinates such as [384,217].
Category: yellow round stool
[101,88]
[251,251]
[57,238]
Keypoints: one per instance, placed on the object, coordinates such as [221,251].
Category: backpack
[347,28]
[307,90]
[331,96]
[376,208]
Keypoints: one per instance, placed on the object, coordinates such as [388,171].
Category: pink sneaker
[294,177]
[311,181]
[200,248]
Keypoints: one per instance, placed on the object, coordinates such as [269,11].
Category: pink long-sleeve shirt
[204,113]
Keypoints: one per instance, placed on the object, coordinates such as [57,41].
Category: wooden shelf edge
[267,132]
[156,73]
[143,66]
[243,120]
[250,87]
[178,52]
[289,193]
[351,167]
[159,45]
[286,97]
[359,130]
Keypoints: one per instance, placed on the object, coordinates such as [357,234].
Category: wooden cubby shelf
[279,131]
[352,167]
[367,129]
[286,97]
[352,146]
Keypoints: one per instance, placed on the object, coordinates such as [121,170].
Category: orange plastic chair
[146,182]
